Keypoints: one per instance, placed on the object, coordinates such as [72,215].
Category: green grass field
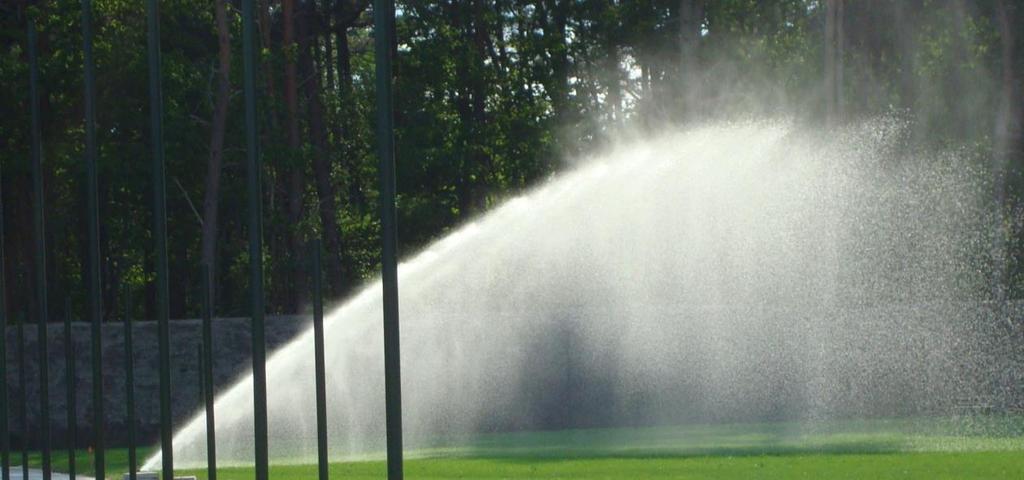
[901,449]
[988,465]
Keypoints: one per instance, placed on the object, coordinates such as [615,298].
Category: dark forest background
[492,96]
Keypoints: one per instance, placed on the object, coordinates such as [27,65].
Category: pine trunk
[327,203]
[296,176]
[691,21]
[211,198]
[834,51]
[1008,123]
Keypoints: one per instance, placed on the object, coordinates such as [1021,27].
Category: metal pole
[22,404]
[384,27]
[160,234]
[5,441]
[92,208]
[39,264]
[129,383]
[206,377]
[69,381]
[259,353]
[318,353]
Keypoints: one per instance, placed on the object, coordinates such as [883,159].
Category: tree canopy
[491,97]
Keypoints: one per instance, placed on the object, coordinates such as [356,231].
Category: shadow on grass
[732,440]
[571,454]
[564,453]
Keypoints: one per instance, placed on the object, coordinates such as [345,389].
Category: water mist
[728,273]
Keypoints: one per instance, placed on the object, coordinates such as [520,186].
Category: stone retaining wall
[232,359]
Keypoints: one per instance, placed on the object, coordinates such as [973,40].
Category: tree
[834,52]
[327,206]
[1009,122]
[1007,141]
[490,95]
[691,21]
[211,198]
[296,175]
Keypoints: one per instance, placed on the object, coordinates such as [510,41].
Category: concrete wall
[232,359]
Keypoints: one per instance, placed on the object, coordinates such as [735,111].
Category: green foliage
[491,94]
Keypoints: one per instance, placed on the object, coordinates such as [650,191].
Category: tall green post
[384,28]
[206,374]
[259,347]
[5,425]
[39,238]
[92,220]
[69,381]
[318,358]
[129,383]
[156,133]
[22,404]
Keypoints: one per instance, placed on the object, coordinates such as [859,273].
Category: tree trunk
[613,82]
[840,58]
[479,120]
[327,203]
[265,36]
[296,177]
[275,180]
[907,48]
[565,112]
[1008,124]
[834,51]
[17,241]
[469,102]
[612,71]
[111,285]
[959,81]
[211,199]
[559,87]
[348,13]
[1007,136]
[691,21]
[178,274]
[344,59]
[328,63]
[356,197]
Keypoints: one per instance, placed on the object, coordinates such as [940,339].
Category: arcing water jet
[734,272]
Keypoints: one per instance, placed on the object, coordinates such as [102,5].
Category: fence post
[22,404]
[129,382]
[39,237]
[92,207]
[92,219]
[206,374]
[318,353]
[259,353]
[5,425]
[160,234]
[69,381]
[384,25]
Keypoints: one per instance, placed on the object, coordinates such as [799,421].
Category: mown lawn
[116,460]
[978,448]
[925,466]
[872,466]
[873,450]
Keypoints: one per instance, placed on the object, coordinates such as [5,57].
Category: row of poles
[205,369]
[384,16]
